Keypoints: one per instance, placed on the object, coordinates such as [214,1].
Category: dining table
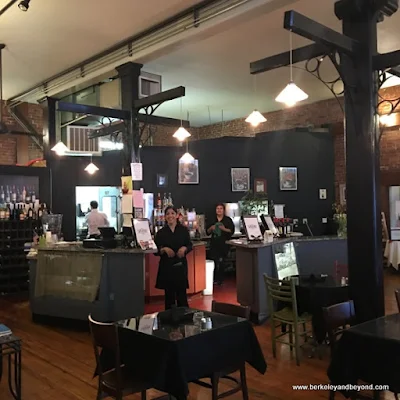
[169,350]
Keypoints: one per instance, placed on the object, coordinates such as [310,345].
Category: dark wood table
[368,352]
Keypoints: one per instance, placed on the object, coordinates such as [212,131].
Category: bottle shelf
[14,267]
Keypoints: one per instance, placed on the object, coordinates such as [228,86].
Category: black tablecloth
[313,295]
[368,352]
[169,365]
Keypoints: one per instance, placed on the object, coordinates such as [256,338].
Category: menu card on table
[252,226]
[143,234]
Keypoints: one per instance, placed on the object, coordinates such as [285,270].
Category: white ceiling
[54,35]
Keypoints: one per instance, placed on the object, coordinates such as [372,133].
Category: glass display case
[285,260]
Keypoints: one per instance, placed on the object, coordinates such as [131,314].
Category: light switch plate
[305,221]
[322,194]
[324,220]
[295,221]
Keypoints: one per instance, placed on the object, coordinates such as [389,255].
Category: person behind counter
[221,230]
[95,220]
[173,243]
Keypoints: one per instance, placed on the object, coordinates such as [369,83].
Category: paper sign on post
[279,213]
[138,199]
[137,171]
[126,204]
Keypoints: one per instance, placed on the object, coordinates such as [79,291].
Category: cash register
[106,241]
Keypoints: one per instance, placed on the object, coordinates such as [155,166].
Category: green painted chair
[284,292]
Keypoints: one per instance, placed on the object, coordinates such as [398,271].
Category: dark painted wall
[311,153]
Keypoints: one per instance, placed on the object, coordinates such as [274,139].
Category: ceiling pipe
[7,6]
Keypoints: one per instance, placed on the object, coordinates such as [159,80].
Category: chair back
[336,318]
[283,291]
[231,309]
[397,294]
[341,271]
[105,337]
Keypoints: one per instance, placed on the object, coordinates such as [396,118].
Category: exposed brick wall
[8,143]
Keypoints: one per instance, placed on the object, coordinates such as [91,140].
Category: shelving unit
[14,267]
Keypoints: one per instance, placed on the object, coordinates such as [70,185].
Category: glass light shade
[187,158]
[255,118]
[388,119]
[91,168]
[60,148]
[181,134]
[291,95]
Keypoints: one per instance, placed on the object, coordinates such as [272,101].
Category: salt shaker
[208,323]
[203,324]
[343,282]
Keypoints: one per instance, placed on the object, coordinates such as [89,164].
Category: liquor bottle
[2,214]
[170,202]
[33,195]
[19,195]
[8,212]
[8,196]
[40,213]
[14,195]
[159,203]
[30,212]
[28,195]
[22,213]
[2,195]
[165,201]
[24,194]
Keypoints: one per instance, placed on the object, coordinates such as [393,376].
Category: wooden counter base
[196,272]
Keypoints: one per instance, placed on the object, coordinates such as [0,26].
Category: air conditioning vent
[149,84]
[78,140]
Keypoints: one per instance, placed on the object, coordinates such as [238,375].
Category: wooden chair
[284,291]
[397,294]
[341,270]
[240,384]
[116,382]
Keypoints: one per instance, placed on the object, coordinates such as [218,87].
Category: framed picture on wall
[162,180]
[188,172]
[342,193]
[240,179]
[288,178]
[260,185]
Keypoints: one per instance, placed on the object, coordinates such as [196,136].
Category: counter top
[257,245]
[78,247]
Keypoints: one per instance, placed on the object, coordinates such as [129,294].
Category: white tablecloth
[392,253]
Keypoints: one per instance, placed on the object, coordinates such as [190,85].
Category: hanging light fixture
[60,148]
[187,158]
[255,118]
[181,134]
[91,168]
[24,5]
[292,94]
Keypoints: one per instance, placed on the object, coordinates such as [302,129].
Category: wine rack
[14,267]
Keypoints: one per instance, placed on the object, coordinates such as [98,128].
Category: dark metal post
[362,165]
[129,74]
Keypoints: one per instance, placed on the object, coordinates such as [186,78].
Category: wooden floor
[58,363]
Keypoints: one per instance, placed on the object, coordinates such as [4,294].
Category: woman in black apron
[173,243]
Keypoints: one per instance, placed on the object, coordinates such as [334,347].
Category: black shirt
[172,272]
[218,246]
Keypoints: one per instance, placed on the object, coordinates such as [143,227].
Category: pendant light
[292,94]
[60,148]
[187,158]
[255,118]
[91,168]
[181,134]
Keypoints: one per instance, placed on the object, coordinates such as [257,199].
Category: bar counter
[70,281]
[315,255]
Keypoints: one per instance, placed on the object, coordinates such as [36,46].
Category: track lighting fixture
[24,5]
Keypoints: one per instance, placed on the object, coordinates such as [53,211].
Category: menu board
[143,234]
[252,226]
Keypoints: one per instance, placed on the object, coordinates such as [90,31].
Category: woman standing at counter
[173,243]
[221,230]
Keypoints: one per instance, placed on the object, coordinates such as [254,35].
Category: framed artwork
[260,185]
[162,180]
[188,172]
[288,178]
[240,179]
[342,193]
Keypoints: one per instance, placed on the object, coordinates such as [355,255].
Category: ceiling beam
[158,120]
[283,59]
[93,110]
[159,98]
[312,30]
[386,60]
